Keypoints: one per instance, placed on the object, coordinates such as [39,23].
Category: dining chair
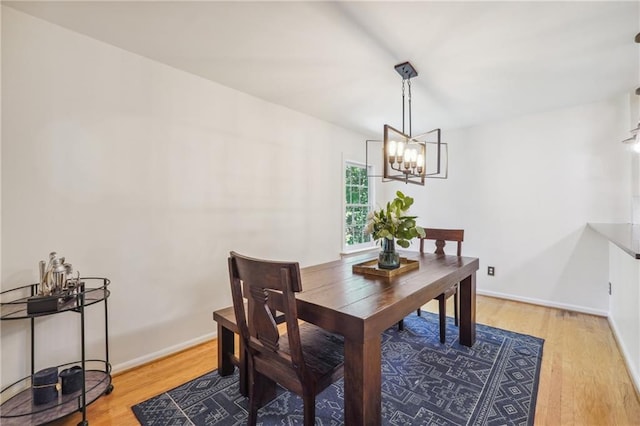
[305,360]
[441,236]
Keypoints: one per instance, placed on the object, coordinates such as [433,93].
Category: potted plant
[390,225]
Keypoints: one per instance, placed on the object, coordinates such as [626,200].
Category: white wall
[149,176]
[524,189]
[624,274]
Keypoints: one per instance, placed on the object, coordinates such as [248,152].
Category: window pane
[363,177]
[364,196]
[349,236]
[357,205]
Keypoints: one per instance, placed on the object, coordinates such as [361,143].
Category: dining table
[361,306]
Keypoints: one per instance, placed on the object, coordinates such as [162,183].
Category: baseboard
[137,362]
[547,303]
[635,376]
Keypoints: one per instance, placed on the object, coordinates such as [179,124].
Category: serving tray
[370,267]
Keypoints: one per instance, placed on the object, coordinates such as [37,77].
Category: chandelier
[405,156]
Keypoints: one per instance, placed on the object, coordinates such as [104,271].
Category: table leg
[362,382]
[467,292]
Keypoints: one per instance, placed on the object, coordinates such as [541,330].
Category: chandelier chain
[403,102]
[409,84]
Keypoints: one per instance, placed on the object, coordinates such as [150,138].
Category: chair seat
[323,351]
[323,355]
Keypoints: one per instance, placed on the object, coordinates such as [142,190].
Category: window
[358,203]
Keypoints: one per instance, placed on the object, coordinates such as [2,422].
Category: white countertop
[624,235]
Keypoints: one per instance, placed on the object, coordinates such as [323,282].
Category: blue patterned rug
[423,383]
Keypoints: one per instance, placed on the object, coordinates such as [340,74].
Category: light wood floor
[583,379]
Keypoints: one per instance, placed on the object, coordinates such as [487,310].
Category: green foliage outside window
[357,205]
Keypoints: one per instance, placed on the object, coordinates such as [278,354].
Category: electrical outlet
[491,270]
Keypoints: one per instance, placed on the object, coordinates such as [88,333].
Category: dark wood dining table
[361,307]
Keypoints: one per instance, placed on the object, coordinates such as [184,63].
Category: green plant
[393,222]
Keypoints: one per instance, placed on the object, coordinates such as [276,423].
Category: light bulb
[392,148]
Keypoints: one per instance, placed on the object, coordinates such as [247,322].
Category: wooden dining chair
[305,360]
[441,236]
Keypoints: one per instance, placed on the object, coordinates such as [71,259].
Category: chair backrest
[254,279]
[442,235]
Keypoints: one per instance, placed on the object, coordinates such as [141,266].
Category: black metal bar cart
[18,406]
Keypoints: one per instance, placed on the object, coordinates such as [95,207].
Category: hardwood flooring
[583,379]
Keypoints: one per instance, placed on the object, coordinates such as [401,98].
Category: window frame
[371,203]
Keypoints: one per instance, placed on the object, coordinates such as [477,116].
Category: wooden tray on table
[370,267]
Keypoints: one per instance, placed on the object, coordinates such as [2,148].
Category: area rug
[424,382]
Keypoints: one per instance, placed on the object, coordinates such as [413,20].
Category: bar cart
[18,406]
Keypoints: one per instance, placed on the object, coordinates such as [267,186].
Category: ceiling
[477,61]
